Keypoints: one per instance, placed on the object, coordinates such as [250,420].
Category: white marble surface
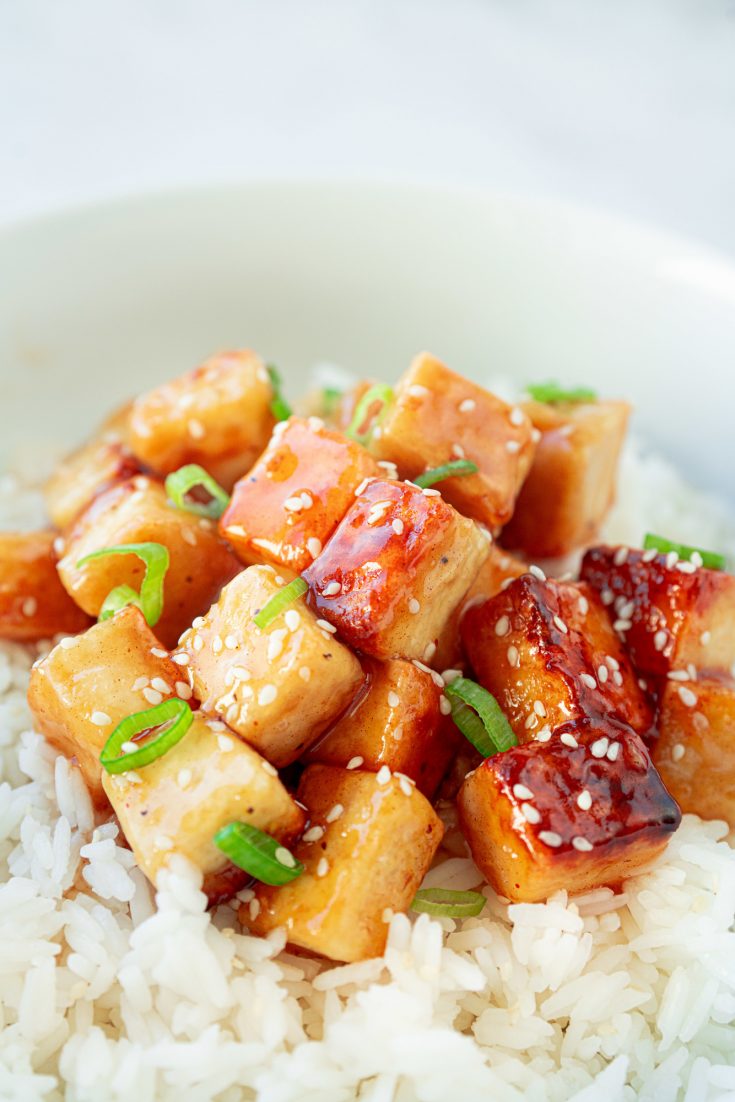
[624,105]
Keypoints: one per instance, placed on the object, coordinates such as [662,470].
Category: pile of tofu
[329,728]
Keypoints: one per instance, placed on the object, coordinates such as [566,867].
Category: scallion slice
[286,596]
[156,559]
[280,408]
[382,393]
[453,469]
[479,717]
[119,597]
[552,392]
[182,485]
[448,903]
[166,723]
[258,853]
[711,559]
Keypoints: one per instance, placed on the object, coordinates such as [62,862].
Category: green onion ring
[119,597]
[258,853]
[188,478]
[551,392]
[448,903]
[286,596]
[280,408]
[173,716]
[711,559]
[378,393]
[156,559]
[452,469]
[479,717]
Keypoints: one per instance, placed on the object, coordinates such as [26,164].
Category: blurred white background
[612,103]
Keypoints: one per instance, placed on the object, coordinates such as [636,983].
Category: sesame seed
[429,651]
[530,813]
[284,857]
[363,486]
[544,734]
[314,546]
[231,642]
[355,763]
[626,610]
[334,813]
[236,530]
[569,740]
[531,721]
[537,572]
[583,605]
[383,775]
[445,706]
[152,696]
[581,844]
[705,638]
[217,644]
[158,653]
[678,675]
[539,707]
[584,800]
[275,643]
[326,626]
[389,467]
[129,747]
[620,556]
[293,505]
[414,606]
[183,690]
[588,680]
[561,625]
[266,765]
[502,626]
[622,626]
[450,675]
[686,567]
[314,834]
[59,545]
[513,656]
[602,674]
[323,867]
[196,429]
[671,560]
[467,405]
[225,743]
[521,792]
[163,841]
[332,589]
[687,697]
[29,606]
[393,699]
[517,416]
[67,643]
[189,537]
[138,684]
[678,750]
[550,838]
[100,719]
[184,778]
[612,662]
[307,500]
[267,695]
[659,640]
[239,673]
[254,909]
[612,754]
[649,555]
[598,749]
[305,673]
[487,535]
[512,446]
[397,526]
[161,685]
[458,451]
[416,390]
[607,597]
[429,491]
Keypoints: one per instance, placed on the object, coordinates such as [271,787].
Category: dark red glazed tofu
[584,809]
[547,652]
[670,613]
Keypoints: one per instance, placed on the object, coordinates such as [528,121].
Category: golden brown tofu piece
[279,687]
[547,652]
[585,809]
[670,613]
[33,602]
[438,416]
[695,748]
[286,508]
[218,415]
[396,721]
[371,840]
[177,804]
[137,511]
[571,484]
[396,568]
[89,683]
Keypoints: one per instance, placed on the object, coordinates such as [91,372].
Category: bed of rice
[107,992]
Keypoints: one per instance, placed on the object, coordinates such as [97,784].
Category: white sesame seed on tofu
[583,605]
[393,699]
[152,696]
[584,800]
[530,813]
[383,775]
[588,680]
[285,857]
[561,625]
[621,626]
[416,390]
[183,690]
[162,841]
[660,639]
[598,749]
[355,763]
[129,747]
[307,500]
[414,606]
[231,642]
[612,662]
[67,642]
[196,429]
[686,567]
[313,834]
[225,743]
[197,642]
[678,675]
[397,526]
[517,416]
[161,685]
[292,619]
[29,606]
[275,643]
[613,751]
[569,740]
[189,536]
[445,706]
[513,656]
[184,778]
[314,546]
[672,559]
[323,867]
[467,405]
[531,721]
[512,446]
[705,638]
[678,750]
[649,555]
[582,844]
[326,626]
[59,545]
[269,768]
[100,719]
[293,505]
[267,695]
[332,589]
[537,572]
[621,556]
[607,596]
[458,451]
[429,651]
[502,626]
[236,530]
[521,792]
[157,652]
[254,909]
[602,674]
[687,697]
[334,813]
[429,491]
[139,683]
[543,734]
[539,708]
[550,838]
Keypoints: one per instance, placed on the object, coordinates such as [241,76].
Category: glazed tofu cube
[695,748]
[670,613]
[33,602]
[177,804]
[571,484]
[137,512]
[397,721]
[396,568]
[286,508]
[279,687]
[585,809]
[371,840]
[89,683]
[438,416]
[547,652]
[218,415]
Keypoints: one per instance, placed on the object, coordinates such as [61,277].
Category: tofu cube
[695,748]
[371,840]
[89,683]
[572,814]
[571,484]
[286,508]
[177,804]
[670,613]
[33,602]
[137,511]
[547,652]
[280,687]
[396,568]
[217,415]
[438,416]
[396,721]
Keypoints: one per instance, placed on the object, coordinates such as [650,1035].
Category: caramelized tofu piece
[547,652]
[177,804]
[371,840]
[397,721]
[586,808]
[438,416]
[396,568]
[670,613]
[137,512]
[571,484]
[695,748]
[279,687]
[286,508]
[33,602]
[218,415]
[89,683]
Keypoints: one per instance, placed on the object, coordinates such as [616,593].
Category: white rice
[109,994]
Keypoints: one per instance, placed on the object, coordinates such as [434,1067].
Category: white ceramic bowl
[103,301]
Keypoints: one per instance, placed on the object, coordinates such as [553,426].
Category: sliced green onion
[330,399]
[156,559]
[280,408]
[479,717]
[167,723]
[119,597]
[258,853]
[448,903]
[378,393]
[184,483]
[286,596]
[452,469]
[711,559]
[552,392]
